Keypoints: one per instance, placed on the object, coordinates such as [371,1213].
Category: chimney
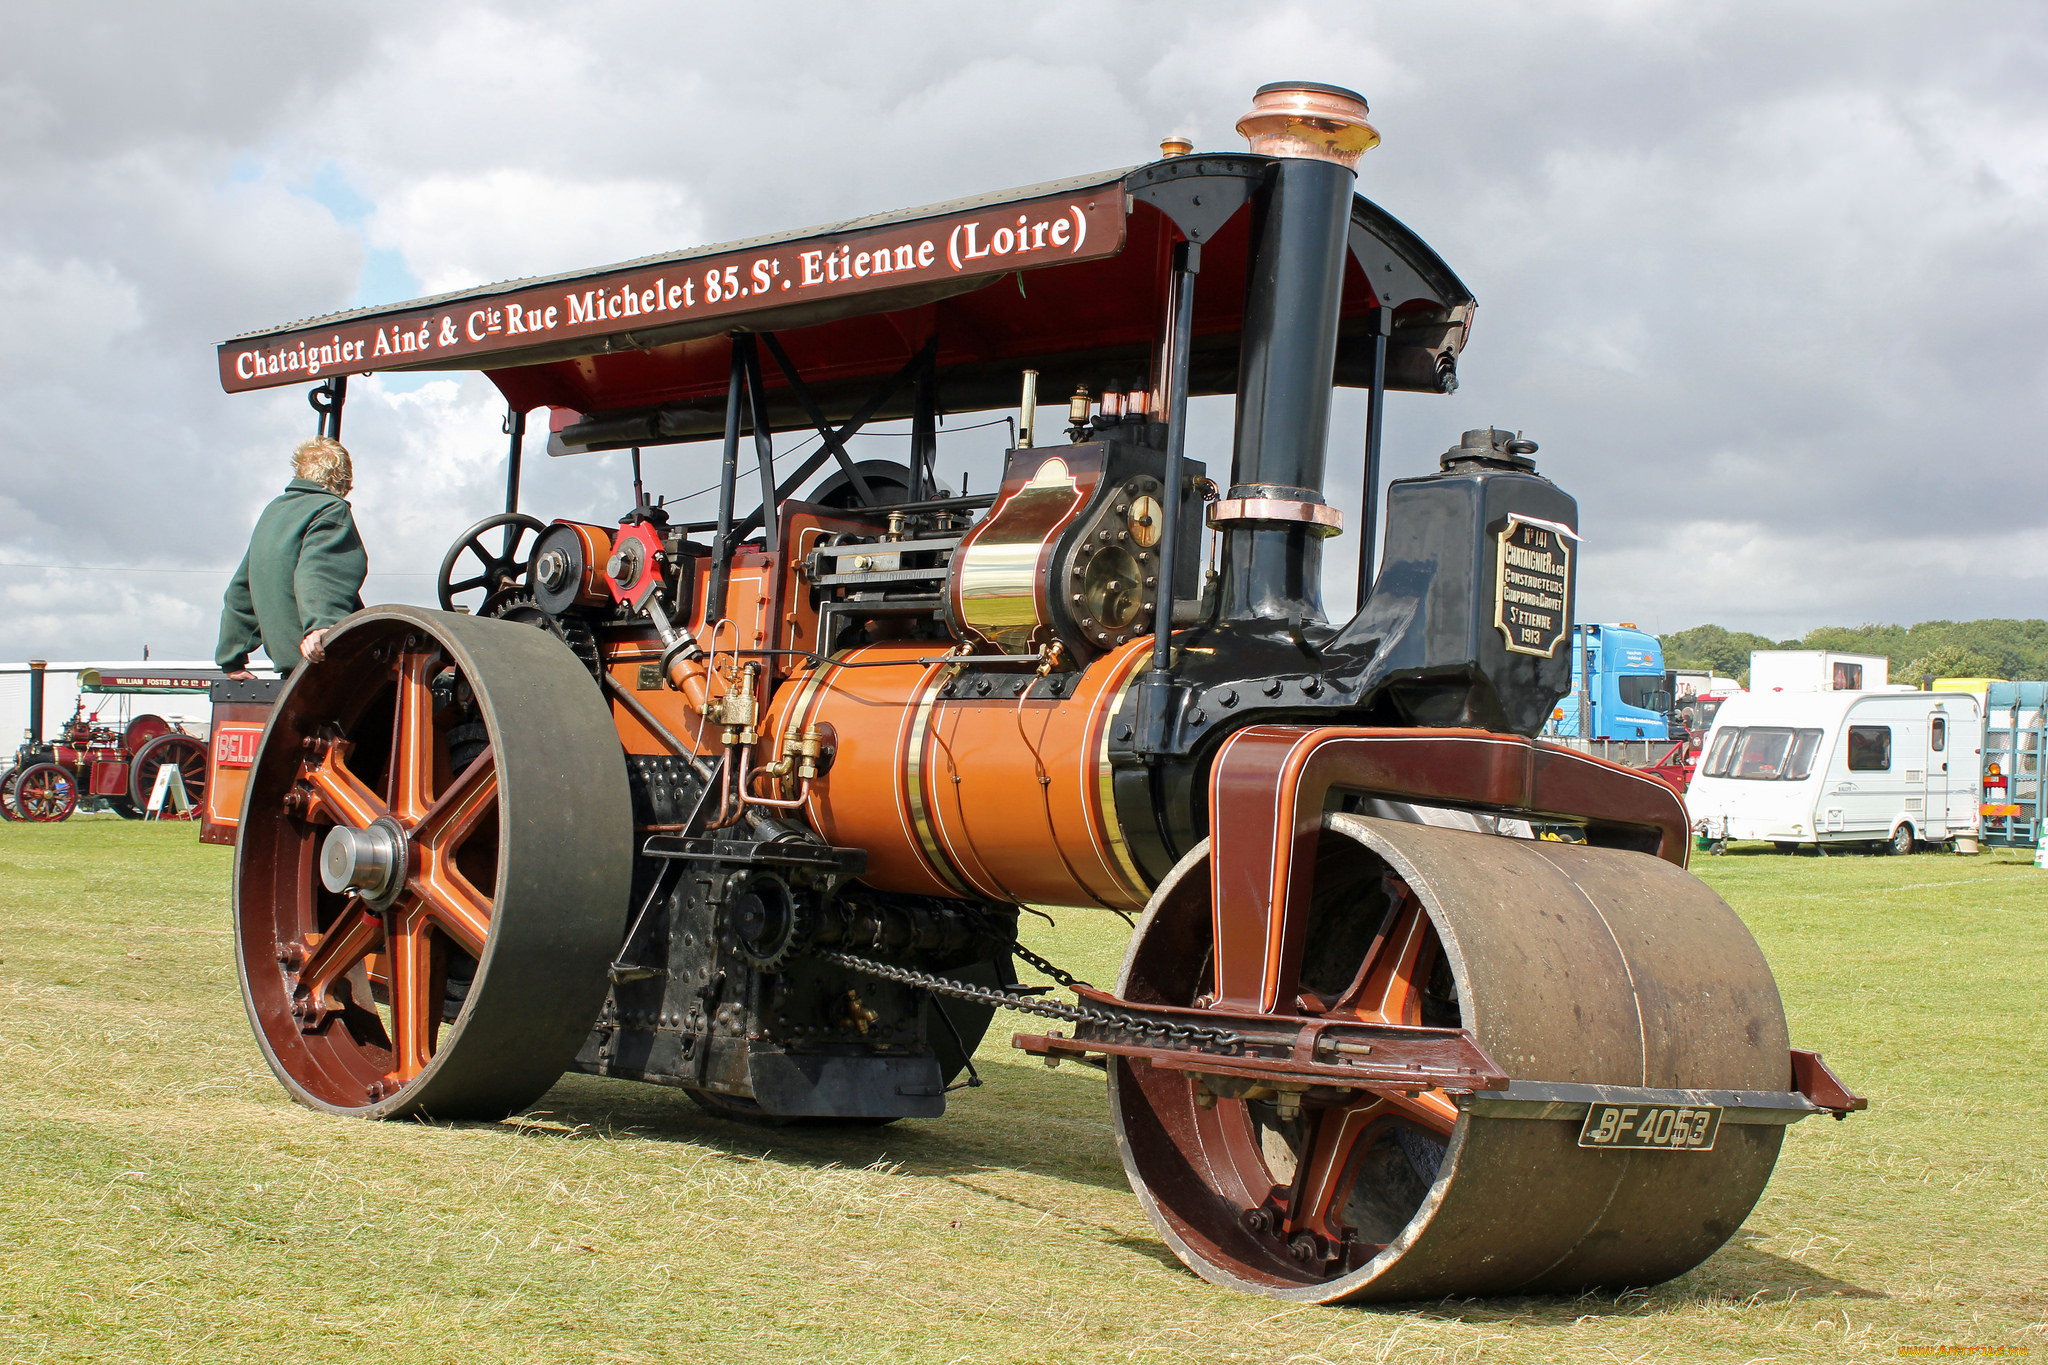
[35,699]
[1274,517]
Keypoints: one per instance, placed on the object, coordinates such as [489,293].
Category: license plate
[1660,1127]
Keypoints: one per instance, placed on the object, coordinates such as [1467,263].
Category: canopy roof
[1069,278]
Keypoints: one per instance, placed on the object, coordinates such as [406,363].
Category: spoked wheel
[495,569]
[45,793]
[7,811]
[1570,963]
[189,754]
[434,870]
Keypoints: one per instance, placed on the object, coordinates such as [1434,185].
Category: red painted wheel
[1570,964]
[434,867]
[45,793]
[7,811]
[189,754]
[142,730]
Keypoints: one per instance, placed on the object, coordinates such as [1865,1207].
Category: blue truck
[1619,687]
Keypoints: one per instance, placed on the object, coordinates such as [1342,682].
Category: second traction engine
[750,806]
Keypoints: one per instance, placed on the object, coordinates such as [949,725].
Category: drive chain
[1131,1023]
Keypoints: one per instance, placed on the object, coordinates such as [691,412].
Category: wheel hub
[369,860]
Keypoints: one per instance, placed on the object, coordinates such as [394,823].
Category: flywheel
[434,868]
[1570,964]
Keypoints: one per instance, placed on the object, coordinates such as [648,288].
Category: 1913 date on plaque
[1532,591]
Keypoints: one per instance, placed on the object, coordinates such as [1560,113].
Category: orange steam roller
[749,805]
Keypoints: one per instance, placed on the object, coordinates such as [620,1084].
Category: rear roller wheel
[434,870]
[45,793]
[1569,963]
[189,755]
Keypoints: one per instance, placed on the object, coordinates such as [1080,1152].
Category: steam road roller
[1415,1005]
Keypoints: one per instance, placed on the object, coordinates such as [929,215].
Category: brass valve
[737,711]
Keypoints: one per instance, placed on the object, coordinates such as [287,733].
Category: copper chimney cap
[1305,119]
[1175,146]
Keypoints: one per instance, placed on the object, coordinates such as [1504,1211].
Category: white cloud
[458,231]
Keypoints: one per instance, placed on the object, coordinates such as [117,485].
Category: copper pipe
[732,803]
[803,791]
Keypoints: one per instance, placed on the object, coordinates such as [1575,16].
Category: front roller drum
[1570,964]
[434,868]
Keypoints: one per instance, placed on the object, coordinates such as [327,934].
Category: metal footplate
[1344,1054]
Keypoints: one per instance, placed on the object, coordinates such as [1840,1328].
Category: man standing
[304,570]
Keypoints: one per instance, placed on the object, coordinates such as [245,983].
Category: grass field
[161,1199]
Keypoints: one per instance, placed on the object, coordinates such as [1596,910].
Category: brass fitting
[738,712]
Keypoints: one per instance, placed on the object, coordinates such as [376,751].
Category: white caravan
[1816,670]
[1897,768]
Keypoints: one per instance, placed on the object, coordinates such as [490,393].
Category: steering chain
[1131,1023]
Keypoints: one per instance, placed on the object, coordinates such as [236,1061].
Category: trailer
[2015,754]
[750,806]
[1816,769]
[1817,670]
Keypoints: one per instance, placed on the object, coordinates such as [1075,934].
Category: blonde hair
[324,460]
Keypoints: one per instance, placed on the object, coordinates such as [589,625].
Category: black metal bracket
[1155,690]
[1375,423]
[764,441]
[844,432]
[327,399]
[834,442]
[848,862]
[728,480]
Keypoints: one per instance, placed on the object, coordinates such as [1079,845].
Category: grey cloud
[1761,278]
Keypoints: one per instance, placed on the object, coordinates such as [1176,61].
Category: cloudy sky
[1766,281]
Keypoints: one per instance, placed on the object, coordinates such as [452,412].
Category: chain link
[1110,1020]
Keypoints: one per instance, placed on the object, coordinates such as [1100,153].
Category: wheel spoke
[356,934]
[1388,987]
[456,812]
[1322,1179]
[446,897]
[415,993]
[343,796]
[411,772]
[1430,1110]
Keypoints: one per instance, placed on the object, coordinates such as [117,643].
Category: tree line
[1943,649]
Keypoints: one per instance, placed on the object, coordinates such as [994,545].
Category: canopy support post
[1156,688]
[1375,423]
[728,478]
[764,445]
[514,427]
[326,399]
[924,426]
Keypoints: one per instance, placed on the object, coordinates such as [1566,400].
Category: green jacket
[304,570]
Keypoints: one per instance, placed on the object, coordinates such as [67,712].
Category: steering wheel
[498,571]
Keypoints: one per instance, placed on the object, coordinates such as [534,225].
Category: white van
[1895,768]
